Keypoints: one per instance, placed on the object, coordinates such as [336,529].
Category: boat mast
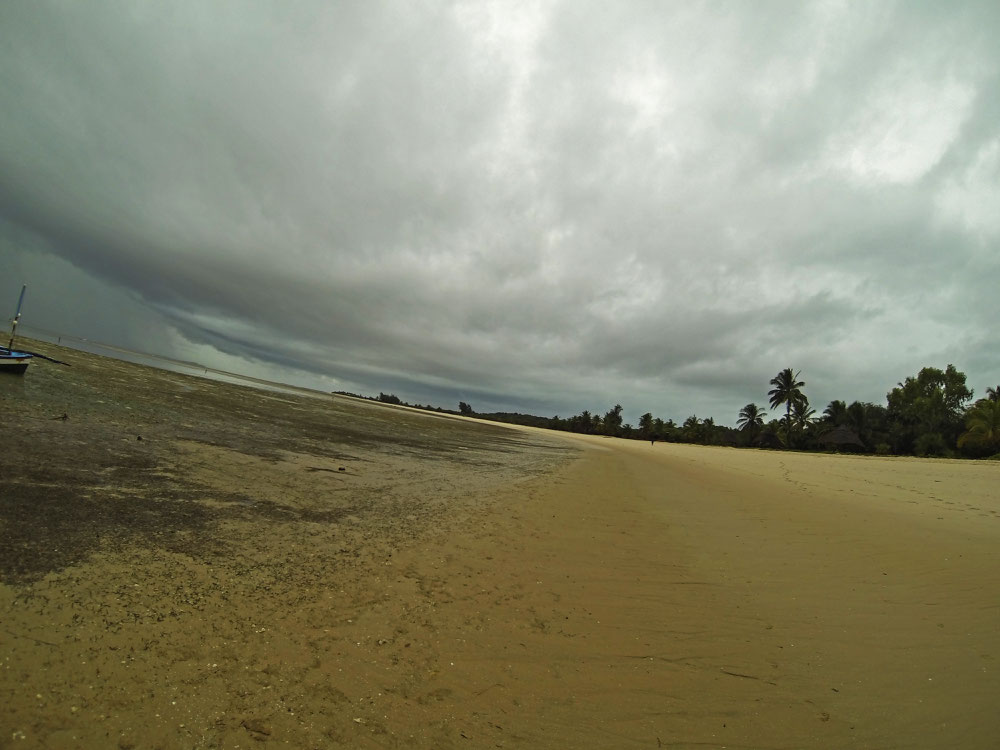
[17,316]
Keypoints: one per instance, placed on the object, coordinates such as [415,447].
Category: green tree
[751,421]
[646,429]
[691,429]
[859,417]
[993,394]
[465,409]
[982,428]
[667,430]
[869,421]
[928,404]
[787,390]
[930,444]
[802,415]
[836,413]
[707,431]
[612,422]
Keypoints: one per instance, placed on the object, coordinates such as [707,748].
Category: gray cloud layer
[546,205]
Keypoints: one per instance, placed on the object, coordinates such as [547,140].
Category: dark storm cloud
[559,205]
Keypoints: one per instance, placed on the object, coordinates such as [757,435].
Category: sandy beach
[191,564]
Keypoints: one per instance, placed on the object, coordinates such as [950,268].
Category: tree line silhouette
[929,414]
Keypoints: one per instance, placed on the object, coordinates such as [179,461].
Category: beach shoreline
[262,569]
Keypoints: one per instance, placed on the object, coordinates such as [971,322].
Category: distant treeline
[391,398]
[930,414]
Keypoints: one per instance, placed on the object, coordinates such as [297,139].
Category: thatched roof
[768,440]
[841,436]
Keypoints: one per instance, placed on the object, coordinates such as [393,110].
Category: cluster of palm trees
[924,415]
[787,391]
[892,429]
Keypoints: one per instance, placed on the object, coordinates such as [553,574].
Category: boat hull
[14,363]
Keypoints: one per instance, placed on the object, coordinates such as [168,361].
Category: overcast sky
[541,206]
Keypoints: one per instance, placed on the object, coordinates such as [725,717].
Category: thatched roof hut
[841,438]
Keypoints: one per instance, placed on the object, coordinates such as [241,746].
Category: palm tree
[982,423]
[612,423]
[858,418]
[993,394]
[751,420]
[690,430]
[802,415]
[836,413]
[786,391]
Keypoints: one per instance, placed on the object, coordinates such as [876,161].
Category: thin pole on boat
[17,316]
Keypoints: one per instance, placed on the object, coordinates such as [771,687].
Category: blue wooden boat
[11,360]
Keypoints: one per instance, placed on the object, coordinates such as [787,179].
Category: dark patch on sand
[90,458]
